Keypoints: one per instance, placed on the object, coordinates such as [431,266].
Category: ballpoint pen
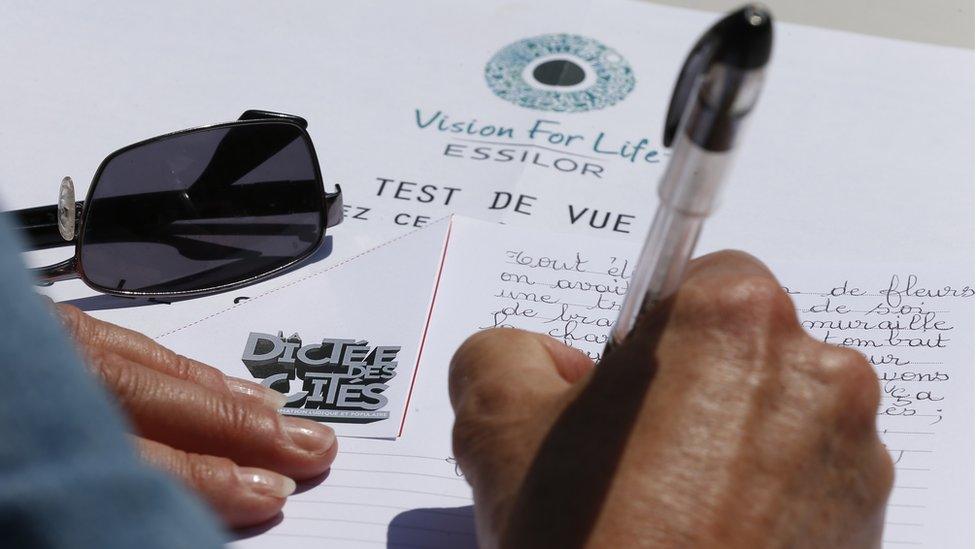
[716,90]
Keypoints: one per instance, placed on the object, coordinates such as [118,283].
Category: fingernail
[308,435]
[266,483]
[270,397]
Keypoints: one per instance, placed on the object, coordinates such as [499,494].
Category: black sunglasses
[193,212]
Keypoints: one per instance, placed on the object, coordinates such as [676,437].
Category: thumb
[507,387]
[506,362]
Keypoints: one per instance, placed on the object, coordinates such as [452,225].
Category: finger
[90,332]
[730,292]
[502,365]
[727,262]
[241,496]
[728,300]
[194,418]
[505,387]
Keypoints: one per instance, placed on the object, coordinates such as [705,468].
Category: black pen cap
[742,40]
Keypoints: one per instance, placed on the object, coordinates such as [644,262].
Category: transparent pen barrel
[661,266]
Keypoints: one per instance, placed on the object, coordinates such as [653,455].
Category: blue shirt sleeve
[69,476]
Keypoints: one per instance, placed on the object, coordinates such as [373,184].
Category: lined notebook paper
[913,322]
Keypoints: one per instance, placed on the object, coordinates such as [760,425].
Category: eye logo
[560,72]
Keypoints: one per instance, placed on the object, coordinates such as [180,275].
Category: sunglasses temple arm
[64,270]
[38,227]
[68,268]
[333,207]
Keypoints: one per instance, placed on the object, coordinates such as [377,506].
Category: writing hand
[720,423]
[220,435]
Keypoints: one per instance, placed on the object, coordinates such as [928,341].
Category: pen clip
[743,40]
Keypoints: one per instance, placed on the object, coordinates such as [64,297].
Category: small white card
[342,342]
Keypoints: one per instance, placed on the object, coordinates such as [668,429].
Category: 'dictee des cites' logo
[339,380]
[561,73]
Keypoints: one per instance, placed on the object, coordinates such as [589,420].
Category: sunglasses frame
[331,214]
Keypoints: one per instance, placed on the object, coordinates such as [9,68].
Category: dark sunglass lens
[203,209]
